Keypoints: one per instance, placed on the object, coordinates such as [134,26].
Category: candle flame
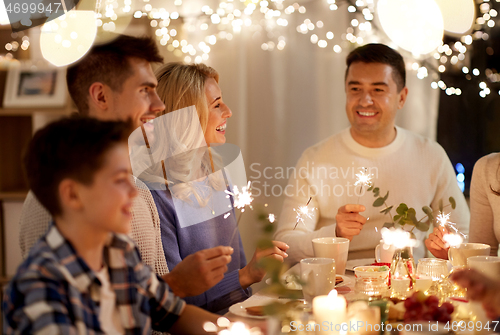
[333,294]
[271,218]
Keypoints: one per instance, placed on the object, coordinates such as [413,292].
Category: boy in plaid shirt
[85,276]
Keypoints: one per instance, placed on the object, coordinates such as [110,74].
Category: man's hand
[252,273]
[480,288]
[435,243]
[199,271]
[349,221]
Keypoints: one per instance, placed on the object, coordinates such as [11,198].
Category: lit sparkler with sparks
[397,237]
[363,178]
[241,199]
[303,211]
[453,237]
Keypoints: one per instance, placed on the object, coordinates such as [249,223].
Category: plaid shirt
[55,292]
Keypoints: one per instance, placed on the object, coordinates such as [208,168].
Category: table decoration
[363,319]
[330,310]
[407,216]
[371,281]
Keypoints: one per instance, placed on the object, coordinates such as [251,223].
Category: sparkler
[301,211]
[363,178]
[397,237]
[455,237]
[241,199]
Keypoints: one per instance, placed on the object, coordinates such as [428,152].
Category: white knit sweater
[414,170]
[484,204]
[35,220]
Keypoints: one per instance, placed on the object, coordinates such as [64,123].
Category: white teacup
[332,247]
[458,255]
[319,275]
[384,252]
[488,265]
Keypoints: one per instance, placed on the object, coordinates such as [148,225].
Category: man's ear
[99,96]
[402,97]
[69,194]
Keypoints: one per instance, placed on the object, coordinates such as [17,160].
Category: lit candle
[330,312]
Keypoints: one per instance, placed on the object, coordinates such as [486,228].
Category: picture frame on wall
[35,86]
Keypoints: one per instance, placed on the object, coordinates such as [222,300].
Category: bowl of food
[371,272]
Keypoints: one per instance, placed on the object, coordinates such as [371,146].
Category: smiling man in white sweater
[414,169]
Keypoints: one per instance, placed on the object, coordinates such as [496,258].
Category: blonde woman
[191,178]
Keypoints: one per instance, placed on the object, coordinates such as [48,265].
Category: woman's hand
[435,243]
[253,273]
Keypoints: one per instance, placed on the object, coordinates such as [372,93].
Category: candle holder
[402,273]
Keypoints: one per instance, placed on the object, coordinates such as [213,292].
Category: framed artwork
[35,86]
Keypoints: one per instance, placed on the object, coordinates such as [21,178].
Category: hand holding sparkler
[444,236]
[349,221]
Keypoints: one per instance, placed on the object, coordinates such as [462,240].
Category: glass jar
[402,273]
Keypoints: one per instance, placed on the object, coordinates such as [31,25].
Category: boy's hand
[349,221]
[199,271]
[435,243]
[252,273]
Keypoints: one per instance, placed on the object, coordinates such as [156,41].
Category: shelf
[19,195]
[66,110]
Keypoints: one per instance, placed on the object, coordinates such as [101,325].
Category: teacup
[488,265]
[332,247]
[384,252]
[458,255]
[319,275]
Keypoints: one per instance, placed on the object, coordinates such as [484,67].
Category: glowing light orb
[414,25]
[69,37]
[458,15]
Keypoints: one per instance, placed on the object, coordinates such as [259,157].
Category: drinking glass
[435,268]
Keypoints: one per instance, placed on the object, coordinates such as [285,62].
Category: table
[259,298]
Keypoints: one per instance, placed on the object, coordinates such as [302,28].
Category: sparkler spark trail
[363,178]
[455,237]
[301,211]
[241,199]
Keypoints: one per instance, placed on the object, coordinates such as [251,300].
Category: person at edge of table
[415,170]
[484,207]
[85,275]
[194,104]
[483,289]
[115,81]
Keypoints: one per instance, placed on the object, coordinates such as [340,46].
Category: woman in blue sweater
[195,212]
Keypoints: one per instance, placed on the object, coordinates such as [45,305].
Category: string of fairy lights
[178,30]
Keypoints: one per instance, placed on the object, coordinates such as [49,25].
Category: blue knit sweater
[179,242]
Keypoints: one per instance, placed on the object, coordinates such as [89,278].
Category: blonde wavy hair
[180,86]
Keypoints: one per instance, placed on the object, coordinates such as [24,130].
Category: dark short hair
[73,148]
[108,64]
[380,53]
